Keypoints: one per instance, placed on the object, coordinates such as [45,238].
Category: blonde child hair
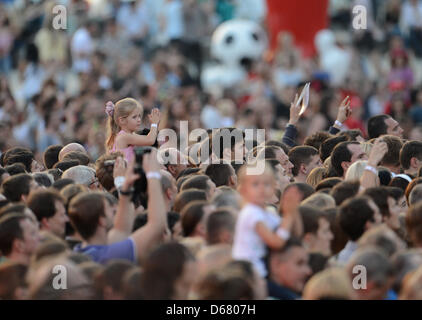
[316,176]
[123,108]
[355,171]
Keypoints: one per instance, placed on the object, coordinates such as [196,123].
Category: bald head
[69,148]
[80,174]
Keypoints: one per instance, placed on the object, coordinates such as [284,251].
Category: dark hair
[317,262]
[310,218]
[187,196]
[79,156]
[317,139]
[16,186]
[196,182]
[354,214]
[51,155]
[392,157]
[219,173]
[112,276]
[66,164]
[104,172]
[188,171]
[291,243]
[12,276]
[15,168]
[10,229]
[61,183]
[409,150]
[85,211]
[384,175]
[142,219]
[345,190]
[42,179]
[340,154]
[414,223]
[192,215]
[19,154]
[304,188]
[280,144]
[399,182]
[351,134]
[328,183]
[379,195]
[269,152]
[395,193]
[339,237]
[43,203]
[328,145]
[301,155]
[16,207]
[377,126]
[217,221]
[162,268]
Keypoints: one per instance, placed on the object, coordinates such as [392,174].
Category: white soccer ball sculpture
[234,44]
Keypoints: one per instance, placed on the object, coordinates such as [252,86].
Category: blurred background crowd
[54,83]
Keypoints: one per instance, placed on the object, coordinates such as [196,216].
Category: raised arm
[125,216]
[290,134]
[148,140]
[370,175]
[151,234]
[289,205]
[343,113]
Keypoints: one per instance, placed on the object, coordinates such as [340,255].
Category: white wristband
[372,169]
[338,123]
[283,233]
[119,181]
[154,125]
[153,175]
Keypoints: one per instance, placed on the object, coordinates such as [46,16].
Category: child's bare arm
[139,140]
[270,238]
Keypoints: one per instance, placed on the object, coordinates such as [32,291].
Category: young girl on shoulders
[125,119]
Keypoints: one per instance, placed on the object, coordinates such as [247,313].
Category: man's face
[357,153]
[293,270]
[57,223]
[314,163]
[31,236]
[393,127]
[284,161]
[282,178]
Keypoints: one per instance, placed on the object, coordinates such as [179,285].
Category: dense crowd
[91,185]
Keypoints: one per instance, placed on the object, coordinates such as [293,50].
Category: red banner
[303,18]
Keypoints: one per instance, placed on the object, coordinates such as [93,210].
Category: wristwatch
[127,192]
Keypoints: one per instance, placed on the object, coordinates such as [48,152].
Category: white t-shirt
[247,244]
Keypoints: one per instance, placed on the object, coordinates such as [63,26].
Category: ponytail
[112,127]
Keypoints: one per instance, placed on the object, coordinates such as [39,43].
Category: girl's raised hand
[155,116]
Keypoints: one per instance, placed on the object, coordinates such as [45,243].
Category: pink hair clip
[109,108]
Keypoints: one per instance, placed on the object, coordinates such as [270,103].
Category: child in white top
[256,229]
